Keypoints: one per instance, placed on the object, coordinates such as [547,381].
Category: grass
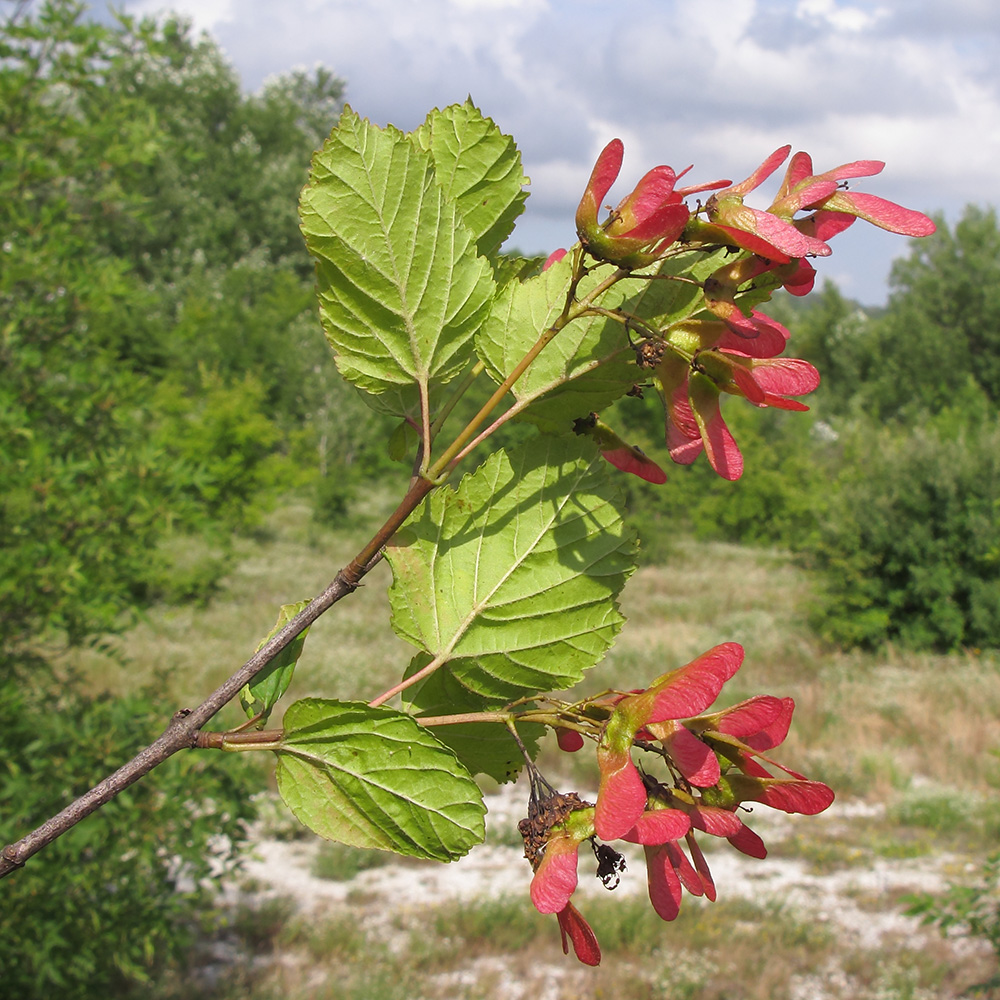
[442,937]
[296,560]
[917,733]
[341,863]
[729,951]
[736,950]
[865,723]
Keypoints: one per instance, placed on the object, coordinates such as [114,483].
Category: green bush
[219,444]
[81,507]
[333,496]
[153,272]
[909,540]
[118,898]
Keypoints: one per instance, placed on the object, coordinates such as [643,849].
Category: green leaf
[373,777]
[398,401]
[507,268]
[512,579]
[259,697]
[483,747]
[479,167]
[587,366]
[764,286]
[661,302]
[401,289]
[403,442]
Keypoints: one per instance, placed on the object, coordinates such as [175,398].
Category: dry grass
[501,949]
[350,651]
[868,724]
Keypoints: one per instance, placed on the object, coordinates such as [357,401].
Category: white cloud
[717,82]
[205,15]
[478,5]
[841,17]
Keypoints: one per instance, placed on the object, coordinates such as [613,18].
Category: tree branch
[182,732]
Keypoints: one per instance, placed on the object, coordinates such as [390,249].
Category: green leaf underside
[483,747]
[507,269]
[512,579]
[589,363]
[400,286]
[259,697]
[403,442]
[764,286]
[397,401]
[661,301]
[373,777]
[479,167]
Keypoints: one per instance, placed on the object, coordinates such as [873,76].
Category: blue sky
[716,83]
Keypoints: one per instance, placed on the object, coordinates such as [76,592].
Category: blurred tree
[834,334]
[150,253]
[906,533]
[907,536]
[942,327]
[938,336]
[227,175]
[158,367]
[75,515]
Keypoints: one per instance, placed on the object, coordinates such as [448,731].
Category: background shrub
[908,544]
[113,902]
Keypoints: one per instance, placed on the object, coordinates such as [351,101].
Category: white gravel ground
[283,868]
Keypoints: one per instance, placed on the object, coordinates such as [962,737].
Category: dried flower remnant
[555,827]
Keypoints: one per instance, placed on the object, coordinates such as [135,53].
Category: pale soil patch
[858,902]
[858,905]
